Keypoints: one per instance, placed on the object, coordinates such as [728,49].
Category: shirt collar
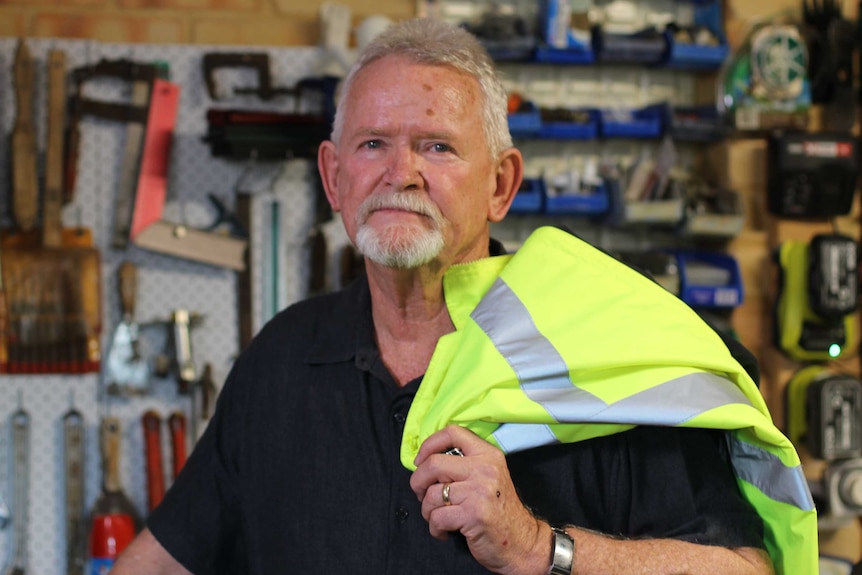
[346,329]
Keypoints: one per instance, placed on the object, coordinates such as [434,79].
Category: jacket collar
[346,329]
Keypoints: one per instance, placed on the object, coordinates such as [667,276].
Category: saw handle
[152,423]
[177,423]
[128,279]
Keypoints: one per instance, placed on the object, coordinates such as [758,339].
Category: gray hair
[437,43]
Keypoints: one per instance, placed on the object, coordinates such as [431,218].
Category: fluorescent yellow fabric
[618,334]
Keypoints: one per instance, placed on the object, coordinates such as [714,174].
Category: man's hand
[501,533]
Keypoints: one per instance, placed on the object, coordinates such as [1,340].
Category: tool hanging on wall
[204,394]
[126,371]
[113,499]
[765,85]
[177,426]
[831,41]
[824,415]
[73,464]
[178,361]
[150,117]
[53,278]
[20,424]
[812,175]
[25,182]
[817,276]
[148,229]
[152,427]
[114,520]
[258,62]
[134,114]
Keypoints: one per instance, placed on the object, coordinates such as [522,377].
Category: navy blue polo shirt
[299,471]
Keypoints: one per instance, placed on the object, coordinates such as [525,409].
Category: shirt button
[399,416]
[402,514]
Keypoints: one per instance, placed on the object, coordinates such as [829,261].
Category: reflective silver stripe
[766,472]
[544,375]
[514,437]
[533,358]
[544,378]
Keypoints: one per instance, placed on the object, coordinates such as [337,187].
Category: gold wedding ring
[446,500]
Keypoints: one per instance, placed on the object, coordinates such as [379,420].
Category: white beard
[401,246]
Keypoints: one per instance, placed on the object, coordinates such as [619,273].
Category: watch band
[562,552]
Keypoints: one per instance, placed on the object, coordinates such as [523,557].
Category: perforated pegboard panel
[165,283]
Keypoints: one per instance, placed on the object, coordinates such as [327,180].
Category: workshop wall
[165,283]
[113,28]
[245,22]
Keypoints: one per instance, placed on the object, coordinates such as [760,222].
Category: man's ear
[510,172]
[327,165]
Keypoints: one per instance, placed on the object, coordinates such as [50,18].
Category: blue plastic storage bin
[525,124]
[648,46]
[728,294]
[571,130]
[707,14]
[591,204]
[641,123]
[530,198]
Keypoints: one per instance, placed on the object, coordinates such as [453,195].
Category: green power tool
[818,295]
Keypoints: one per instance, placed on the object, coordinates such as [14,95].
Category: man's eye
[372,144]
[441,147]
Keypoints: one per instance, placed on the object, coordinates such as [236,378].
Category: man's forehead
[404,64]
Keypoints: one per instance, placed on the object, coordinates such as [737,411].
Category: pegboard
[165,283]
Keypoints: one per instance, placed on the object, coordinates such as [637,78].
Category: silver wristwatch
[562,552]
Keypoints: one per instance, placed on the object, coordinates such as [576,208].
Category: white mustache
[397,201]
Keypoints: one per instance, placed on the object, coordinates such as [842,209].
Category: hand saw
[134,114]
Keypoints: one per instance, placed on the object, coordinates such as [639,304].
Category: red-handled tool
[177,423]
[152,423]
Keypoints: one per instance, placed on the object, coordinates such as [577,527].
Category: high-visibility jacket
[561,343]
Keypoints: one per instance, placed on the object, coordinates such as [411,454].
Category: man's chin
[399,248]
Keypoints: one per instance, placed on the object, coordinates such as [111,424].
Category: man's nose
[404,170]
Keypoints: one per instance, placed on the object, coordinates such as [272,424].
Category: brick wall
[244,22]
[240,22]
